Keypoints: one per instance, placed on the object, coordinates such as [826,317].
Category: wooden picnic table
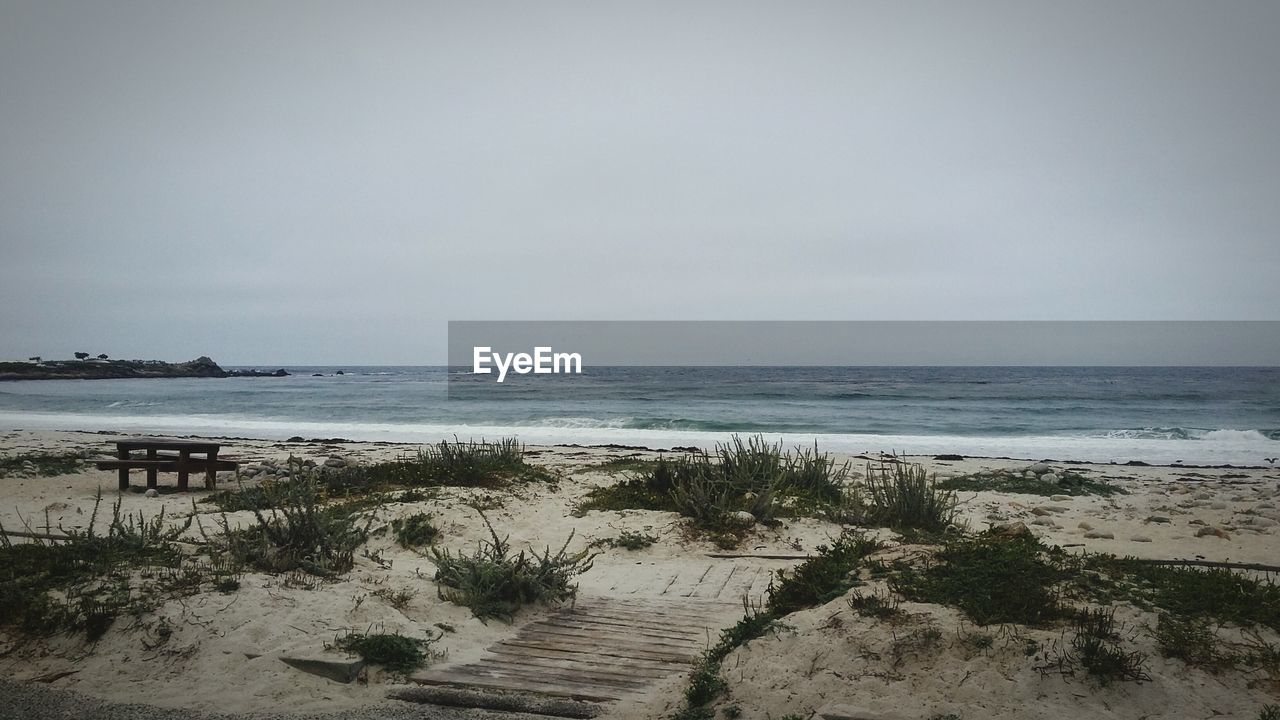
[167,455]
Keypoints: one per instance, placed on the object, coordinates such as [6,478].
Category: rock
[851,712]
[1044,521]
[1011,531]
[152,492]
[1218,506]
[1039,468]
[742,517]
[1216,532]
[1140,538]
[1029,475]
[1049,478]
[1041,511]
[1197,521]
[1204,496]
[251,471]
[1085,526]
[343,671]
[1060,498]
[335,462]
[1260,521]
[1100,535]
[949,458]
[1158,519]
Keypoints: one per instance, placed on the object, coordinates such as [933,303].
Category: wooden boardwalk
[618,638]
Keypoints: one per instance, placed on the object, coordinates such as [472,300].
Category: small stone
[1218,506]
[1085,526]
[1204,496]
[1040,511]
[1049,479]
[1260,521]
[742,517]
[1039,468]
[335,462]
[152,492]
[1197,521]
[1100,535]
[1216,532]
[1140,538]
[1044,521]
[1158,519]
[1060,498]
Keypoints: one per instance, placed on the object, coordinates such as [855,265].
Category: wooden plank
[657,655]
[579,674]
[656,609]
[652,652]
[567,680]
[656,616]
[595,625]
[591,694]
[606,661]
[614,639]
[582,665]
[659,612]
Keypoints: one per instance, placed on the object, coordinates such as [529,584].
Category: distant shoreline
[105,369]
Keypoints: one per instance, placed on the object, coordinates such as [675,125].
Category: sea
[1157,415]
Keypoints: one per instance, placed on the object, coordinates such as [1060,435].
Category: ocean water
[1156,415]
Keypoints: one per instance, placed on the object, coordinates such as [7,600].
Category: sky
[331,182]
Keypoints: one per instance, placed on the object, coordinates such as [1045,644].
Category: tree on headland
[81,356]
[103,356]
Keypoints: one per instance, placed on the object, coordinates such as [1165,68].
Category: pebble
[1049,478]
[1140,538]
[1085,526]
[1039,468]
[1218,506]
[1207,531]
[1100,535]
[1158,519]
[1060,498]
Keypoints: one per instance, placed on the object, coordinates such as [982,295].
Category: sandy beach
[221,651]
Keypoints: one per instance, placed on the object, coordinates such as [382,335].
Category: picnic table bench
[167,455]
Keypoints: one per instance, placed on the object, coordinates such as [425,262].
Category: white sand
[224,650]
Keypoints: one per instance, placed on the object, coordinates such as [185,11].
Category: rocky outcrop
[258,373]
[109,369]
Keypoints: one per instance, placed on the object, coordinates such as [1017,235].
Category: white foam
[1230,447]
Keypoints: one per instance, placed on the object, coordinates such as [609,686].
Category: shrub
[84,581]
[1096,648]
[397,653]
[876,605]
[453,464]
[821,578]
[1069,484]
[901,495]
[495,583]
[40,464]
[629,540]
[752,476]
[415,530]
[992,579]
[297,532]
[1190,640]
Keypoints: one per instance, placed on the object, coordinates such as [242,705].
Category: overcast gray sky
[330,182]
